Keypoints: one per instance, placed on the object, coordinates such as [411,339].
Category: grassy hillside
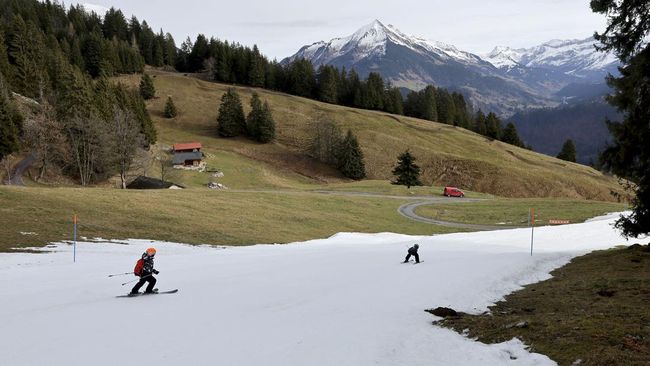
[448,155]
[36,216]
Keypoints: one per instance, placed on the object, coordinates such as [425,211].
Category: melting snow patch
[345,300]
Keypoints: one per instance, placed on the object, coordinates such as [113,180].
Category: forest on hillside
[89,128]
[546,129]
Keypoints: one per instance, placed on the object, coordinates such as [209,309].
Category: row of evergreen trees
[118,45]
[81,124]
[258,125]
[491,126]
[330,146]
[234,63]
[46,51]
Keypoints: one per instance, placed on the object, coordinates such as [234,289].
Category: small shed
[188,154]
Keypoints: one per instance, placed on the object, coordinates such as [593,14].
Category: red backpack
[138,267]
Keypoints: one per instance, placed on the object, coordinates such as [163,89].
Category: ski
[153,293]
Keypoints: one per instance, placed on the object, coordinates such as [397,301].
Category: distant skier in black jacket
[413,251]
[144,269]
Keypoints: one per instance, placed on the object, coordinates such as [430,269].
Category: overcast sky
[281,27]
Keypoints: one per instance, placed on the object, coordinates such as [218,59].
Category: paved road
[408,210]
[20,168]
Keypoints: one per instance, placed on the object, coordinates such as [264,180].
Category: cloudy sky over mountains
[280,27]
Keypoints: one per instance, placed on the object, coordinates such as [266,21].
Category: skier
[413,251]
[144,269]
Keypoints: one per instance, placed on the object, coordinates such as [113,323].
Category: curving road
[408,210]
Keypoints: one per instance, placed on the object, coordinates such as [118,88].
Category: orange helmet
[151,252]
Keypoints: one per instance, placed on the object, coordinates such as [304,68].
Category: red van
[453,192]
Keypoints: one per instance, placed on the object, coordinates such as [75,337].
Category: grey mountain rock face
[505,81]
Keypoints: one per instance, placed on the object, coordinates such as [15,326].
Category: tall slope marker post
[74,248]
[531,221]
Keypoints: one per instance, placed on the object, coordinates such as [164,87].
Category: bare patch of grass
[595,310]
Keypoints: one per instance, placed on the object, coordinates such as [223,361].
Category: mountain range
[505,80]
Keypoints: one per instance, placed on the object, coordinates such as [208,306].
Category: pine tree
[169,50]
[76,57]
[147,89]
[254,117]
[393,102]
[493,126]
[170,108]
[406,171]
[259,123]
[158,51]
[266,126]
[327,84]
[256,69]
[4,60]
[629,154]
[145,40]
[139,109]
[27,53]
[200,52]
[115,25]
[10,124]
[350,158]
[93,55]
[375,91]
[301,78]
[568,151]
[462,117]
[231,121]
[445,104]
[427,106]
[510,135]
[480,126]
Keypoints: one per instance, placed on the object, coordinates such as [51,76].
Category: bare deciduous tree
[126,140]
[325,140]
[6,165]
[165,163]
[87,136]
[44,136]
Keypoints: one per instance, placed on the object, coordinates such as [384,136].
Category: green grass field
[193,216]
[514,212]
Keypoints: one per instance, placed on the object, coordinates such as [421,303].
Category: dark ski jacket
[413,250]
[147,269]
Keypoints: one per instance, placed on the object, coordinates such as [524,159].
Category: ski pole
[119,274]
[137,279]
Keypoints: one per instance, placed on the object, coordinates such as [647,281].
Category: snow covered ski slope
[345,300]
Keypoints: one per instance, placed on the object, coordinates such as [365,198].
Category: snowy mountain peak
[371,40]
[504,80]
[503,57]
[575,57]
